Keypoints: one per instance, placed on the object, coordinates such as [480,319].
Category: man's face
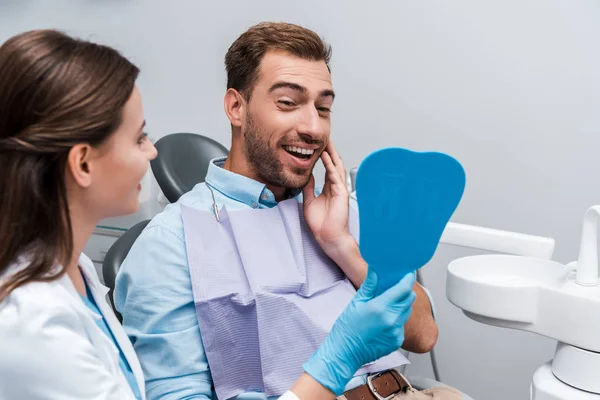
[287,121]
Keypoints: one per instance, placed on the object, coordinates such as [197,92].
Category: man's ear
[235,107]
[79,164]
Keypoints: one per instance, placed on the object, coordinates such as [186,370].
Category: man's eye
[324,109]
[286,103]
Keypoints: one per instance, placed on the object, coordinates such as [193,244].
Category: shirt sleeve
[46,354]
[153,292]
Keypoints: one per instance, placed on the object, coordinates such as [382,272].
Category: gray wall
[510,88]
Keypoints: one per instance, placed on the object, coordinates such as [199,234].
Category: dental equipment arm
[497,240]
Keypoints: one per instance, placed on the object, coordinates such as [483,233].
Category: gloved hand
[369,328]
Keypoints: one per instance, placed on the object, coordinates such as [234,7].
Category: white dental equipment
[527,291]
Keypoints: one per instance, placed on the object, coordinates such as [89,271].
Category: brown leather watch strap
[384,385]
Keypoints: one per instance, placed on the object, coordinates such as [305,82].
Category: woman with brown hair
[72,152]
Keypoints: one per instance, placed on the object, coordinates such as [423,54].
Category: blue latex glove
[369,328]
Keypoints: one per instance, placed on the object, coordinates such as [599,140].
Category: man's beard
[265,161]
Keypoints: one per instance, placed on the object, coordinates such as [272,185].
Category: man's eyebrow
[327,93]
[289,85]
[300,89]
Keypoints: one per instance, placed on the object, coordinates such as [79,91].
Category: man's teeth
[298,150]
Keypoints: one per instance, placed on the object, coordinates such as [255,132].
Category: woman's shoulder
[34,305]
[44,342]
[37,320]
[31,306]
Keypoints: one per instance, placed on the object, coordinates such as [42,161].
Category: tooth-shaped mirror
[405,199]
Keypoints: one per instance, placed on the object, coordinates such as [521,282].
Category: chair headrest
[182,162]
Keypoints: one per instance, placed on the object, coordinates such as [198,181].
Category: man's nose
[310,124]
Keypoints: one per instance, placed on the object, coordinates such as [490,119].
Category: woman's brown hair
[55,92]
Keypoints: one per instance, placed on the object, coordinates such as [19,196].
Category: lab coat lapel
[99,292]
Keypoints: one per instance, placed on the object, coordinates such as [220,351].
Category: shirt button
[254,204]
[265,196]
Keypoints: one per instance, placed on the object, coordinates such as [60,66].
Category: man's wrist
[342,250]
[346,254]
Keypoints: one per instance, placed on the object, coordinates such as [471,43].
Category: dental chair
[115,257]
[182,162]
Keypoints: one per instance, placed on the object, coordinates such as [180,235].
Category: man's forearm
[347,256]
[421,331]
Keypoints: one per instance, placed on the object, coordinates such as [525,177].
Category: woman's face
[120,163]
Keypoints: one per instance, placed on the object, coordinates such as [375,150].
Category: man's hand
[327,214]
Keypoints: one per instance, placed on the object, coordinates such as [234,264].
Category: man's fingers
[327,161]
[329,175]
[337,160]
[308,192]
[332,172]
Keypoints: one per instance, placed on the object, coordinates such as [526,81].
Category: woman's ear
[79,164]
[235,107]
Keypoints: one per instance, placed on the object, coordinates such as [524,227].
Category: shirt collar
[240,187]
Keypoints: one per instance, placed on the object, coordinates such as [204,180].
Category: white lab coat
[51,347]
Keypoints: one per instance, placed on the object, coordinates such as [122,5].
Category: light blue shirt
[123,364]
[153,291]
